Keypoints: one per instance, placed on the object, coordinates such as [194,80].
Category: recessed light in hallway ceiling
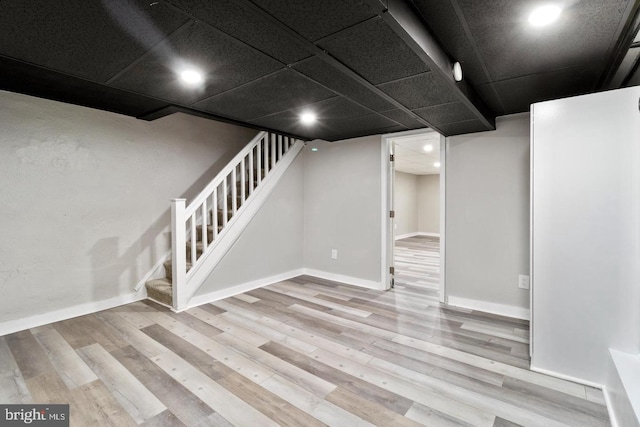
[544,15]
[308,118]
[191,77]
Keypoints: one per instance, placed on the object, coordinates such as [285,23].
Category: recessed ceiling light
[314,149]
[544,15]
[436,164]
[308,118]
[428,148]
[191,77]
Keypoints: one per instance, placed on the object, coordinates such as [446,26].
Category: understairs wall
[270,248]
[85,200]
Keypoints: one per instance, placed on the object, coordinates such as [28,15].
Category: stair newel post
[178,252]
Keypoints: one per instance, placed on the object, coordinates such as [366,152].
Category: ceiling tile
[281,91]
[491,99]
[240,22]
[519,93]
[89,39]
[444,22]
[420,91]
[511,47]
[328,111]
[226,63]
[17,76]
[447,113]
[375,52]
[459,128]
[329,76]
[303,16]
[404,119]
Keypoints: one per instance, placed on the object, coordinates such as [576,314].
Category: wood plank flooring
[303,352]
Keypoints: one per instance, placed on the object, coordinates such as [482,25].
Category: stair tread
[160,290]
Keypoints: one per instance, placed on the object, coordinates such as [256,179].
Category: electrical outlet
[334,254]
[523,281]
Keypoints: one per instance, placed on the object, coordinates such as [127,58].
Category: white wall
[586,232]
[342,209]
[405,203]
[85,197]
[487,228]
[429,204]
[271,245]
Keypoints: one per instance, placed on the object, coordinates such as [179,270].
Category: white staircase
[204,231]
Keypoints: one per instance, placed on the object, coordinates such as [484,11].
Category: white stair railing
[217,207]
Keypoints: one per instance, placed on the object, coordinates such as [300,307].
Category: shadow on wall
[112,264]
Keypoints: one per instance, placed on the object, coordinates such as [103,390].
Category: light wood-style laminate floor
[303,352]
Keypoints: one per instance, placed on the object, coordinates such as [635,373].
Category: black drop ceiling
[266,61]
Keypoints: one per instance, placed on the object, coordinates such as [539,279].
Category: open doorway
[415,240]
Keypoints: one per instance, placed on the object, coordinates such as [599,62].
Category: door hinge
[391,158]
[392,214]
[392,270]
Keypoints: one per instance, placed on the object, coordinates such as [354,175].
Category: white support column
[178,252]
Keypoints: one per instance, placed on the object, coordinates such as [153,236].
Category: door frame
[387,231]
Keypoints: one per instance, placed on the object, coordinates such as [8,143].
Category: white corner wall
[487,228]
[586,233]
[405,204]
[85,211]
[270,248]
[342,210]
[429,204]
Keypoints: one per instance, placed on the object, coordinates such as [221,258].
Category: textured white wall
[429,204]
[342,205]
[405,203]
[487,206]
[586,232]
[272,242]
[85,197]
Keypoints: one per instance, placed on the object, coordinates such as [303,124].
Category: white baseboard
[422,233]
[623,398]
[613,417]
[349,280]
[17,325]
[241,288]
[245,287]
[414,234]
[564,377]
[490,307]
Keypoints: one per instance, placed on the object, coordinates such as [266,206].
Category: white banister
[234,191]
[204,213]
[252,167]
[279,152]
[258,160]
[273,151]
[225,201]
[251,179]
[197,201]
[214,215]
[243,177]
[178,249]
